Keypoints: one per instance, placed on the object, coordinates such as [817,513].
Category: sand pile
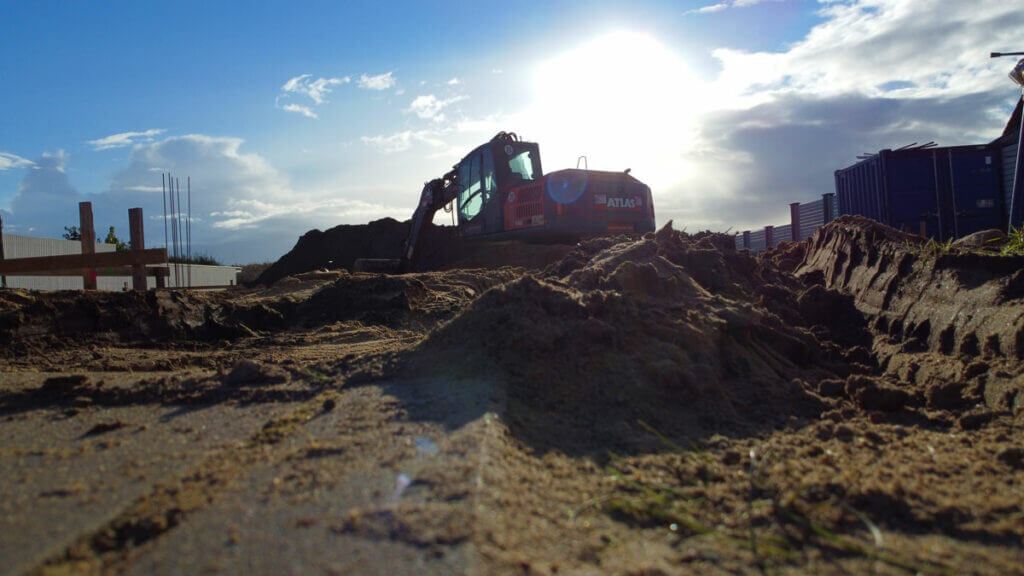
[339,247]
[949,321]
[670,330]
[439,248]
[75,319]
[70,317]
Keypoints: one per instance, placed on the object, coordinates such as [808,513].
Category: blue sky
[295,115]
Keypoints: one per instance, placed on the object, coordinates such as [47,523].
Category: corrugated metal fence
[755,240]
[16,246]
[805,218]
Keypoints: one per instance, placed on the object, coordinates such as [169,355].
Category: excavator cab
[485,177]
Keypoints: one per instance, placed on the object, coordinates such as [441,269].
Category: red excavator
[501,193]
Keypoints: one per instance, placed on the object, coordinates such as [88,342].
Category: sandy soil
[661,405]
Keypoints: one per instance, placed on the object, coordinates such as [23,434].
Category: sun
[624,100]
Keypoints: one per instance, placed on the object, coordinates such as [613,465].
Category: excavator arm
[435,195]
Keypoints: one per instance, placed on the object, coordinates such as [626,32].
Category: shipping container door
[974,183]
[911,179]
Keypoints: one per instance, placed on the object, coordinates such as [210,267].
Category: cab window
[490,182]
[522,165]
[470,200]
[478,184]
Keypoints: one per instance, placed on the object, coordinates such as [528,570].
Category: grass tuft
[1014,242]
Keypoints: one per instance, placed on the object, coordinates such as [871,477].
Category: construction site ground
[662,405]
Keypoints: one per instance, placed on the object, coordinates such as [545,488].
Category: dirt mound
[339,247]
[74,319]
[419,301]
[439,248]
[944,316]
[622,332]
[65,317]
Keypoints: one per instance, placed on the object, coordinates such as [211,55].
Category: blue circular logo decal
[566,188]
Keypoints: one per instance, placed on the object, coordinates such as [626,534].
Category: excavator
[500,192]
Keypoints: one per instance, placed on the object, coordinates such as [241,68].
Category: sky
[289,116]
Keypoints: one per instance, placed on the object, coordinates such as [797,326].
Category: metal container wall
[859,189]
[972,198]
[941,193]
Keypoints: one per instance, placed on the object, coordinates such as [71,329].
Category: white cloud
[487,125]
[298,108]
[388,144]
[429,107]
[378,82]
[46,200]
[496,70]
[454,82]
[8,161]
[306,87]
[243,208]
[709,9]
[929,48]
[221,172]
[402,141]
[56,161]
[125,139]
[726,4]
[143,188]
[317,90]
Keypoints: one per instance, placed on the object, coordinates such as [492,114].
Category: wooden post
[138,242]
[3,279]
[88,234]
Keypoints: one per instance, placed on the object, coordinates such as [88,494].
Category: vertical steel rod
[174,229]
[163,195]
[181,237]
[3,279]
[188,231]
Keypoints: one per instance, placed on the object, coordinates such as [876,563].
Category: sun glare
[624,100]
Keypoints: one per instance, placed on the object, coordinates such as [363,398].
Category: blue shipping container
[941,193]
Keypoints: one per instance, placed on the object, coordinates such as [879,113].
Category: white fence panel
[16,246]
